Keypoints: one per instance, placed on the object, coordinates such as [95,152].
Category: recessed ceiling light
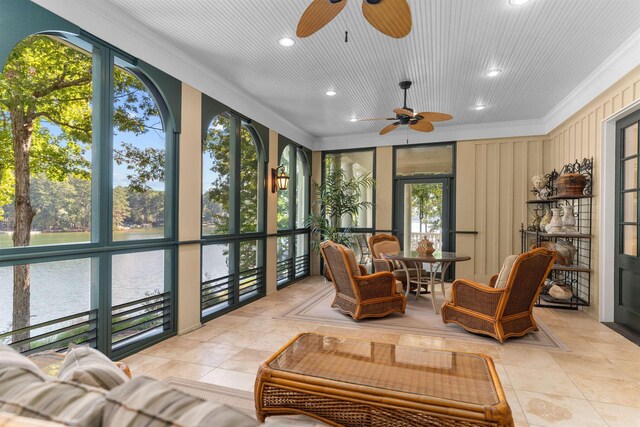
[353,119]
[493,72]
[286,42]
[480,107]
[331,93]
[517,2]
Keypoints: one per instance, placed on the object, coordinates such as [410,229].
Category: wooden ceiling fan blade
[368,120]
[318,14]
[391,17]
[389,128]
[435,117]
[422,126]
[403,112]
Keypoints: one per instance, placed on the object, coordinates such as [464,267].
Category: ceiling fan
[391,17]
[405,116]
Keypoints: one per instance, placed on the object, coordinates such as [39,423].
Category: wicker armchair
[358,294]
[501,312]
[388,244]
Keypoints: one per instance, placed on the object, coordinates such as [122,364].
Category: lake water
[64,288]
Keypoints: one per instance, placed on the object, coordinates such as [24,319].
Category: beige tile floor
[596,382]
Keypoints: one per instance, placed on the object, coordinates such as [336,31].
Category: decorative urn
[555,226]
[568,219]
[425,247]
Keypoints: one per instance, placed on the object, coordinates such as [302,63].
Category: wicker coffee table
[349,382]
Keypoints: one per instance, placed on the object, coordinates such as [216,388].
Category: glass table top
[463,377]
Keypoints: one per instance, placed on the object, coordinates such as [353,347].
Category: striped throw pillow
[88,366]
[24,393]
[11,358]
[12,420]
[144,401]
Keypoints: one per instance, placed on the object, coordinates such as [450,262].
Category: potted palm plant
[337,198]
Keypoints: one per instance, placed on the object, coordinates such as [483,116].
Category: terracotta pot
[571,184]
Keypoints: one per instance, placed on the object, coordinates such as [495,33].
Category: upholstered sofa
[92,391]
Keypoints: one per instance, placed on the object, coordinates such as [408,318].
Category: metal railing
[80,328]
[140,319]
[215,292]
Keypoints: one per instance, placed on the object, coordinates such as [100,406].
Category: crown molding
[441,134]
[141,42]
[127,34]
[624,60]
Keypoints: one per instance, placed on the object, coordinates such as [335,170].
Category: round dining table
[414,261]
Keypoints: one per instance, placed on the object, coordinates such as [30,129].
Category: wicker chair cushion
[390,247]
[399,288]
[505,271]
[448,294]
[353,265]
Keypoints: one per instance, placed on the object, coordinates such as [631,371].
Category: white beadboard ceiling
[546,49]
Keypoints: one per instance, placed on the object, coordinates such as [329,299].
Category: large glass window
[293,239]
[355,164]
[232,215]
[74,177]
[216,176]
[139,163]
[249,182]
[46,106]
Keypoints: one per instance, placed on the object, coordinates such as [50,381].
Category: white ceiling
[546,49]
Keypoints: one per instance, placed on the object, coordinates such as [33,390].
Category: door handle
[463,232]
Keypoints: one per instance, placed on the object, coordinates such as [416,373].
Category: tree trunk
[22,133]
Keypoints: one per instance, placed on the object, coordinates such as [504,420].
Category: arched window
[84,167]
[293,209]
[232,214]
[139,160]
[46,110]
[216,176]
[283,195]
[249,181]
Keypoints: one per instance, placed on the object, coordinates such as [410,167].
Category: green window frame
[293,254]
[156,313]
[243,251]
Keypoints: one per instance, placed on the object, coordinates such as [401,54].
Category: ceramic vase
[546,219]
[555,225]
[568,219]
[425,247]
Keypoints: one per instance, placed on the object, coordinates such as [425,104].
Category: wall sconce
[279,182]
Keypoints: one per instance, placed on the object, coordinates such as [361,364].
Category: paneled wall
[492,184]
[580,137]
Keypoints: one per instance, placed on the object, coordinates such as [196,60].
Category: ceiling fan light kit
[391,17]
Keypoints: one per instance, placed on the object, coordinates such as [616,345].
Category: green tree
[46,109]
[426,204]
[121,208]
[284,195]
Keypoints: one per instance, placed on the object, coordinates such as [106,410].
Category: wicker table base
[354,383]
